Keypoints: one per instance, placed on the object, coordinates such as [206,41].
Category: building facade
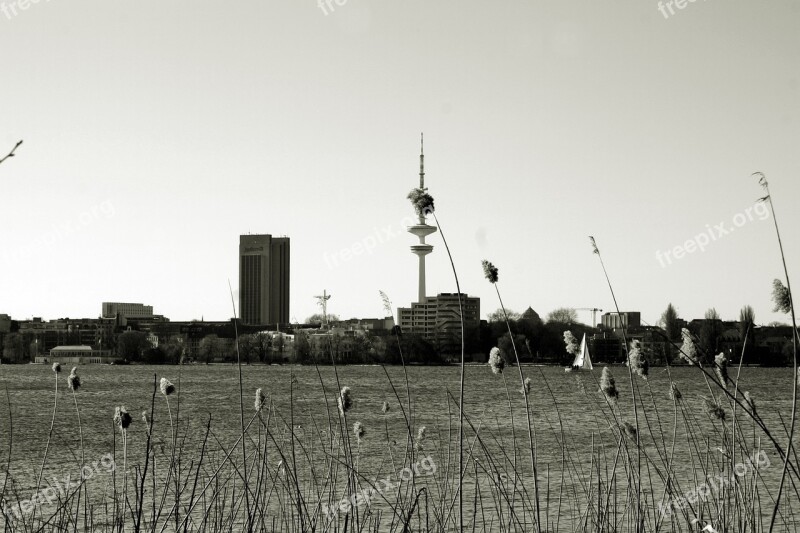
[77,355]
[438,319]
[264,279]
[127,310]
[625,319]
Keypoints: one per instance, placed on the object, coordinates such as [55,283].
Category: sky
[155,133]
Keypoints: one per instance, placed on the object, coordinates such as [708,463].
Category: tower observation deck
[421,230]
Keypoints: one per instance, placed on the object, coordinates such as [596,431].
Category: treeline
[535,340]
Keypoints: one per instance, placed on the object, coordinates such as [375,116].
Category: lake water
[582,416]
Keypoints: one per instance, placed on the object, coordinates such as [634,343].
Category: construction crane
[594,311]
[323,301]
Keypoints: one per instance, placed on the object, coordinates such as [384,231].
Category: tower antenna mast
[422,229]
[323,302]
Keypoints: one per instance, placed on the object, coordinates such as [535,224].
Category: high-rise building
[263,279]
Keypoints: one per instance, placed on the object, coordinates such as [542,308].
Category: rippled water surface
[561,403]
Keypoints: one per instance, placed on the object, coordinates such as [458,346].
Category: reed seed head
[167,387]
[57,367]
[629,430]
[359,431]
[419,442]
[261,399]
[496,361]
[594,245]
[74,380]
[345,400]
[748,399]
[526,386]
[721,368]
[387,304]
[674,393]
[144,418]
[636,360]
[489,271]
[782,297]
[385,407]
[714,409]
[688,349]
[122,418]
[572,343]
[762,179]
[608,386]
[422,202]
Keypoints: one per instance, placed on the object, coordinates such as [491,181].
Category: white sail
[583,360]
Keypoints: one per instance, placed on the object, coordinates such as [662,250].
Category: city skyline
[174,130]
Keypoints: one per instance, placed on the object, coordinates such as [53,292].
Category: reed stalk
[768,198]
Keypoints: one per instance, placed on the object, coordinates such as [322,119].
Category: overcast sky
[158,132]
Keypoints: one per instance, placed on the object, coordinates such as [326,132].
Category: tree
[671,324]
[302,347]
[747,332]
[563,315]
[709,333]
[256,346]
[154,356]
[132,344]
[505,345]
[174,349]
[248,347]
[498,316]
[14,348]
[279,344]
[211,348]
[317,318]
[416,349]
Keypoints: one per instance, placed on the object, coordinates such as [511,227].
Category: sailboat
[582,359]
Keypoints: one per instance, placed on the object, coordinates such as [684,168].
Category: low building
[77,355]
[127,310]
[45,335]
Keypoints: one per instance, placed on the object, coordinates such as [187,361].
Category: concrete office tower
[263,279]
[421,230]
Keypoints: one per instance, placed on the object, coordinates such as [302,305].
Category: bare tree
[747,321]
[563,315]
[499,316]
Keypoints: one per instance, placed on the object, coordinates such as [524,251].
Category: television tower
[422,229]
